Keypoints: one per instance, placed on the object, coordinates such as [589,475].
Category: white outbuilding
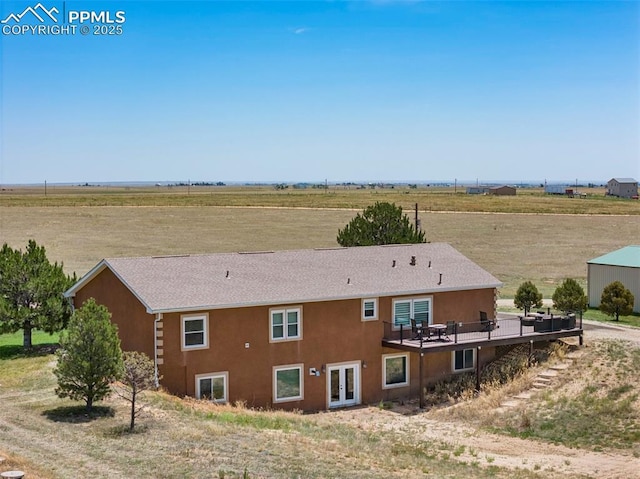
[620,265]
[622,187]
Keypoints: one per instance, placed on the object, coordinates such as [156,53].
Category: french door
[343,384]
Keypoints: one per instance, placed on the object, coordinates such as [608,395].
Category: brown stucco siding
[464,306]
[332,332]
[135,325]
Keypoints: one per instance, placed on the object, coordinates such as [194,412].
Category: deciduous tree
[138,375]
[89,358]
[616,300]
[31,292]
[382,223]
[569,297]
[527,297]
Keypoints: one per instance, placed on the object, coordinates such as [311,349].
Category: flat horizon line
[461,183]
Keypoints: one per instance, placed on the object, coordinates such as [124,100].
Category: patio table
[436,328]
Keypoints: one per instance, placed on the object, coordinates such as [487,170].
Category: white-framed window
[369,309]
[463,360]
[288,383]
[285,324]
[395,371]
[404,310]
[212,386]
[194,332]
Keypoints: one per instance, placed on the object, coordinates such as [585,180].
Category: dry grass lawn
[513,247]
[52,438]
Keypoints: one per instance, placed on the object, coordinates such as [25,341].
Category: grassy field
[528,200]
[514,247]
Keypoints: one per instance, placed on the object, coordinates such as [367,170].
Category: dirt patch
[471,445]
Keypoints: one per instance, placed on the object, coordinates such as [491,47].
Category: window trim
[375,309]
[453,360]
[190,317]
[287,367]
[384,371]
[284,312]
[411,302]
[224,375]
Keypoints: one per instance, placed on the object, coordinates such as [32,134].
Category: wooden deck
[509,330]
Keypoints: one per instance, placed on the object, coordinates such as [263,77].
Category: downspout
[155,348]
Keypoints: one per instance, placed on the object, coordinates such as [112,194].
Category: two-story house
[305,329]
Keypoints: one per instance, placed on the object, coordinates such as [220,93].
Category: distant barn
[622,188]
[502,190]
[491,190]
[621,265]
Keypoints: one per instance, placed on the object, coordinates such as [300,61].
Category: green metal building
[620,265]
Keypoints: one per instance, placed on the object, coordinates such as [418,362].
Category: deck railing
[462,331]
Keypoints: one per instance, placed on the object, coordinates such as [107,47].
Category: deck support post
[421,381]
[478,368]
[530,353]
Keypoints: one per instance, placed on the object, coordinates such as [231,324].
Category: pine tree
[31,292]
[569,297]
[89,358]
[616,300]
[527,297]
[382,223]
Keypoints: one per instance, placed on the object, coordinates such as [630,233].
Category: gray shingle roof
[624,180]
[197,282]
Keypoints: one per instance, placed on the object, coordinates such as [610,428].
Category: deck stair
[542,381]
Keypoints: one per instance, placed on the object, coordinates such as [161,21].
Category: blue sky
[308,91]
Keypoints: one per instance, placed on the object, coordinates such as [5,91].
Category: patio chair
[416,329]
[486,323]
[451,329]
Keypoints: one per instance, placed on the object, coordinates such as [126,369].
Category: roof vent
[440,280]
[348,280]
[413,261]
[393,265]
[429,264]
[227,274]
